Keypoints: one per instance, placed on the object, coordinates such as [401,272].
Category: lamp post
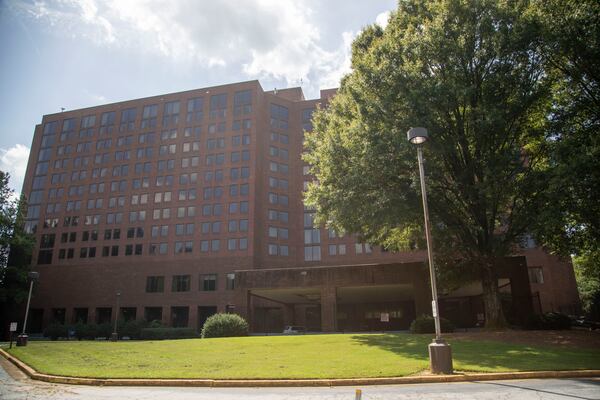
[440,353]
[115,335]
[22,338]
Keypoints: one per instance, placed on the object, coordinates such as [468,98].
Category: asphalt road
[14,385]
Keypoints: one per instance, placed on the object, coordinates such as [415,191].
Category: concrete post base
[114,337]
[440,357]
[22,339]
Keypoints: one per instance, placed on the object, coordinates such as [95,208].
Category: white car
[294,330]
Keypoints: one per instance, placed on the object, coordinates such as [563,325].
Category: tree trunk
[494,315]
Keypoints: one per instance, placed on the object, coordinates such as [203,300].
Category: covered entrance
[339,298]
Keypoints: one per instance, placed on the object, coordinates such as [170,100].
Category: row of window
[182,283]
[170,116]
[179,247]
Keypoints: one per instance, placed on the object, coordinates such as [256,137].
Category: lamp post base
[440,357]
[22,340]
[114,337]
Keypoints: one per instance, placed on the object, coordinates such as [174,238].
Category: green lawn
[310,356]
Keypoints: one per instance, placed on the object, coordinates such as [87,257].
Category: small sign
[434,310]
[385,317]
[13,326]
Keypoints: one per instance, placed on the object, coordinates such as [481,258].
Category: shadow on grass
[475,355]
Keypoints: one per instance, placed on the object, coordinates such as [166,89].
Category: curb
[464,377]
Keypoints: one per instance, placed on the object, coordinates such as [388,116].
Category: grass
[311,356]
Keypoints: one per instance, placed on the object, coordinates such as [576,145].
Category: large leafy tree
[570,222]
[15,253]
[469,72]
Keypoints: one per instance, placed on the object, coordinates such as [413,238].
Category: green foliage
[426,324]
[570,49]
[167,333]
[15,252]
[155,324]
[469,72]
[55,331]
[132,328]
[104,330]
[224,325]
[549,321]
[587,274]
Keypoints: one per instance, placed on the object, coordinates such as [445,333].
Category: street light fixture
[115,335]
[440,353]
[22,338]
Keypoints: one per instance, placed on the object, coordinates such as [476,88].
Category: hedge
[167,333]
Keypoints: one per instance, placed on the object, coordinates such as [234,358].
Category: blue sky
[79,53]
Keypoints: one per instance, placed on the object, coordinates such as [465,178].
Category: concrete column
[422,292]
[289,316]
[91,315]
[193,316]
[69,315]
[166,316]
[328,309]
[139,313]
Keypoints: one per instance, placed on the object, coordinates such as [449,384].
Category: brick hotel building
[190,203]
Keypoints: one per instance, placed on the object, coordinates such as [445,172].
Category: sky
[81,53]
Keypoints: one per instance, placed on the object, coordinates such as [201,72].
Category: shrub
[155,323]
[225,325]
[104,330]
[54,331]
[89,331]
[548,321]
[78,329]
[167,333]
[131,329]
[426,324]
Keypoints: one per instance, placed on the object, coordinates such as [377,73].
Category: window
[242,103]
[312,253]
[128,120]
[536,275]
[358,248]
[307,119]
[194,110]
[218,105]
[171,113]
[208,282]
[272,249]
[312,236]
[181,283]
[107,122]
[279,116]
[86,126]
[230,281]
[231,244]
[332,249]
[155,284]
[149,116]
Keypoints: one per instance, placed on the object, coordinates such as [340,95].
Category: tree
[15,253]
[570,223]
[570,220]
[469,71]
[587,273]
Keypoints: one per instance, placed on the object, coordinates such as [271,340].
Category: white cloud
[273,39]
[14,161]
[382,19]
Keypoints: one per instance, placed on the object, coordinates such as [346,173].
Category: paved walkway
[14,385]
